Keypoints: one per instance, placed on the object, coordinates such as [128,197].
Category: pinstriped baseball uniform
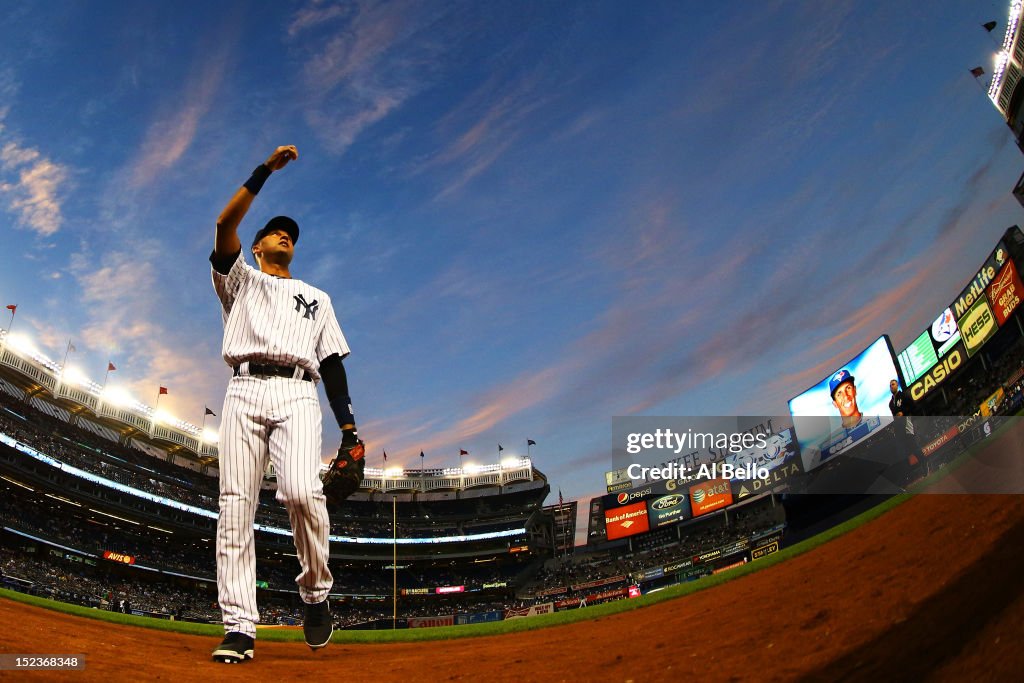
[271,321]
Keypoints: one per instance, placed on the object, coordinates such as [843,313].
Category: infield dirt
[932,589]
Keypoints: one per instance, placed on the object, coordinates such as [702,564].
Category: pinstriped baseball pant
[276,418]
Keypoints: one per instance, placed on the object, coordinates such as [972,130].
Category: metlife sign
[975,290]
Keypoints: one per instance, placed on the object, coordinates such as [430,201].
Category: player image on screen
[848,406]
[844,398]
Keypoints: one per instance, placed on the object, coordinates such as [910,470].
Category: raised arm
[226,242]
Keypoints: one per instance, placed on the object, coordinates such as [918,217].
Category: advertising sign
[607,581]
[776,477]
[677,565]
[545,608]
[709,496]
[479,617]
[990,404]
[845,408]
[977,325]
[975,289]
[617,480]
[940,372]
[649,574]
[1005,292]
[919,357]
[430,622]
[764,550]
[627,520]
[941,441]
[944,333]
[667,509]
[121,558]
[615,500]
[936,352]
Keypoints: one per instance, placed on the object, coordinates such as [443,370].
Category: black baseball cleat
[236,647]
[318,626]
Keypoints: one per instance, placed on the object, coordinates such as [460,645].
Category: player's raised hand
[281,156]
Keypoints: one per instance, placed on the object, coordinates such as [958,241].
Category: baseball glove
[345,473]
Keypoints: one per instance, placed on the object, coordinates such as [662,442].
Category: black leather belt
[257,370]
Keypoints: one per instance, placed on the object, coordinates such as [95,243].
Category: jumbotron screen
[845,408]
[930,347]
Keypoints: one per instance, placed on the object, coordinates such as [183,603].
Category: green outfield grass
[215,631]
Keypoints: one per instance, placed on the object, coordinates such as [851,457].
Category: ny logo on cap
[310,308]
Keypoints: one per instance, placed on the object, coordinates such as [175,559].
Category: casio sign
[936,375]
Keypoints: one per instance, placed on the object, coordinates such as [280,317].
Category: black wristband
[259,176]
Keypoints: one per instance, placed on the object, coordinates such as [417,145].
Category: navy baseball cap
[278,223]
[837,379]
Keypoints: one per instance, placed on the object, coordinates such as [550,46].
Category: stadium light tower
[1006,90]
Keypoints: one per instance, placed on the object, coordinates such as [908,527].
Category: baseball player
[281,338]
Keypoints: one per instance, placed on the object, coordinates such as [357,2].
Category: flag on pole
[12,308]
[990,26]
[71,348]
[977,72]
[500,448]
[110,367]
[421,454]
[209,412]
[163,391]
[531,442]
[462,452]
[561,502]
[385,455]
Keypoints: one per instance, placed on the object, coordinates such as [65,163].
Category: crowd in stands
[132,467]
[658,548]
[978,383]
[86,585]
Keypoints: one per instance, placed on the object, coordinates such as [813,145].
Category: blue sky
[531,217]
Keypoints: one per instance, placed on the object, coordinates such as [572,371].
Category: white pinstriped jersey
[276,320]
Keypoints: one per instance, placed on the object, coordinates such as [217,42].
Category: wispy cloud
[123,306]
[483,127]
[406,434]
[315,14]
[363,62]
[33,184]
[171,135]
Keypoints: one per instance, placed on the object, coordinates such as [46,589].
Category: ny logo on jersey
[308,307]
